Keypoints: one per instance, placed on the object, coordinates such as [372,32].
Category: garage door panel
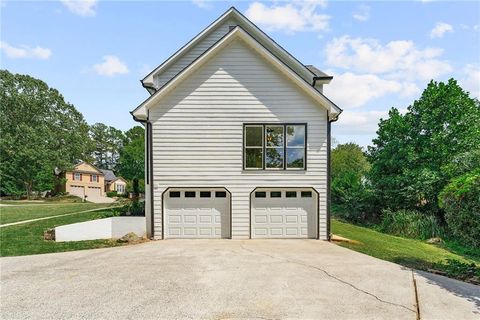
[207,217]
[174,219]
[276,219]
[282,217]
[78,191]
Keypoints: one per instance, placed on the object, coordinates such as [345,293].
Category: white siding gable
[177,66]
[198,132]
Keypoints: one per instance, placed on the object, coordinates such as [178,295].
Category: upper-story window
[274,147]
[94,178]
[77,176]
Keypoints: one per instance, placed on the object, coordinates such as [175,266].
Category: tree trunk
[28,187]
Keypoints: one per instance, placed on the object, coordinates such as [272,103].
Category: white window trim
[77,176]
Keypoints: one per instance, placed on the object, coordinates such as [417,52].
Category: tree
[349,158]
[108,142]
[132,156]
[350,191]
[39,132]
[411,152]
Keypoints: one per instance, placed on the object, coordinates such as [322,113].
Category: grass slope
[33,211]
[408,252]
[27,238]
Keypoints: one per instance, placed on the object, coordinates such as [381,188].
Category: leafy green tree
[132,156]
[411,152]
[461,201]
[349,158]
[39,132]
[351,195]
[108,142]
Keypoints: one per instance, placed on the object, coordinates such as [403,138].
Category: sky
[382,54]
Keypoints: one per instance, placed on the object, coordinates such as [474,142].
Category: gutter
[325,78]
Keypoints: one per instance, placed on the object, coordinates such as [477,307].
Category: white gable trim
[141,111]
[148,81]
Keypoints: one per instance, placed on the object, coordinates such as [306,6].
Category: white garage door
[284,213]
[197,213]
[94,192]
[78,191]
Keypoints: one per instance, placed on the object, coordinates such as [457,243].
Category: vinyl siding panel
[197,133]
[193,53]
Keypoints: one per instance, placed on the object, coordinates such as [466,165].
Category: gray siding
[198,132]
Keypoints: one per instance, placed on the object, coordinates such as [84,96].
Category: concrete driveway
[225,279]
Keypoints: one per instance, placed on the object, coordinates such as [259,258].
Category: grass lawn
[408,252]
[27,238]
[9,214]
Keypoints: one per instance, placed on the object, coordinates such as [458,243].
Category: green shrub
[461,201]
[137,208]
[111,194]
[459,270]
[352,200]
[410,224]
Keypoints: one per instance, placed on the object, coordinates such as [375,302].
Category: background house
[84,180]
[114,183]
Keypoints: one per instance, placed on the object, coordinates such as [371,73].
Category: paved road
[225,279]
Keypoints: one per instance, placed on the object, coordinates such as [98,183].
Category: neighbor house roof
[141,111]
[109,175]
[249,27]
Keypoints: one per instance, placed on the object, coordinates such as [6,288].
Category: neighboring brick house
[87,180]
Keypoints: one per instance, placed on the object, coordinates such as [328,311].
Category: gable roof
[89,164]
[109,175]
[140,113]
[248,26]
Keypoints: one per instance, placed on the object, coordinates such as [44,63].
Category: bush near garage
[112,194]
[461,201]
[410,224]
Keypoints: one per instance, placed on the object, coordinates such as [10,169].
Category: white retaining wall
[108,228]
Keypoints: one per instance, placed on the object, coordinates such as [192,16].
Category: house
[84,180]
[87,180]
[114,183]
[237,139]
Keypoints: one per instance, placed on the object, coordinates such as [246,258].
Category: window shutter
[73,175]
[81,176]
[91,176]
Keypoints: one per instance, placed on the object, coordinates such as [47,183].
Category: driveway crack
[329,275]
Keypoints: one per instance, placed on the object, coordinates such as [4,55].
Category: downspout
[329,175]
[148,167]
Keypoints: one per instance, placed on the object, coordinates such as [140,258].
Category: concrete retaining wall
[108,228]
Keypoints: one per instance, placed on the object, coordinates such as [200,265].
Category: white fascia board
[238,32]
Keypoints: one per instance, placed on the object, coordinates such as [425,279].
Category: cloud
[471,79]
[398,59]
[204,4]
[362,13]
[359,122]
[350,90]
[110,66]
[84,8]
[440,29]
[290,17]
[25,51]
